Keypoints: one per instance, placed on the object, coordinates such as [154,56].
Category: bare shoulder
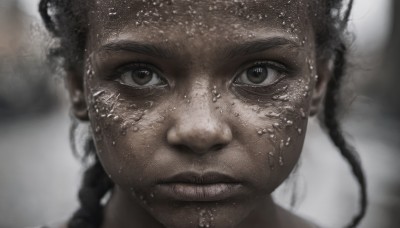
[58,225]
[290,219]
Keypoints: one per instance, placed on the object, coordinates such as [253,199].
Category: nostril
[217,147]
[183,148]
[187,149]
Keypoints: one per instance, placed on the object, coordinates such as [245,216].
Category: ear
[74,83]
[324,74]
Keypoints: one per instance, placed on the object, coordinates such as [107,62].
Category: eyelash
[134,66]
[278,67]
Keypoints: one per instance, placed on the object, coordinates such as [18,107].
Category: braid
[72,17]
[95,185]
[44,13]
[330,116]
[335,131]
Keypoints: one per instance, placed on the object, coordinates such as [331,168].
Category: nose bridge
[198,127]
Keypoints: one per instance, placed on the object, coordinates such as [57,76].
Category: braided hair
[330,29]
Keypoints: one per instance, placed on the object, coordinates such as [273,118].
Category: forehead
[209,19]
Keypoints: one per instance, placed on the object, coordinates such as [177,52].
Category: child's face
[199,108]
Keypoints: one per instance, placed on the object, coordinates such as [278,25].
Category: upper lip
[195,178]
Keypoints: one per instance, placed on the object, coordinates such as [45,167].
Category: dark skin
[201,87]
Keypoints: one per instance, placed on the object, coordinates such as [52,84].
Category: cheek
[273,131]
[126,135]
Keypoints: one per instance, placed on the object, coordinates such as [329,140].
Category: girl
[198,109]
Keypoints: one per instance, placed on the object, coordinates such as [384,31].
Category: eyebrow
[257,46]
[139,48]
[231,51]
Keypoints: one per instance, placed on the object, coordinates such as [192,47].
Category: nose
[198,128]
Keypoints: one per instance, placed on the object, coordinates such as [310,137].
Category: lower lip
[200,193]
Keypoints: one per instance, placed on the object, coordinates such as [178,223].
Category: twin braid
[335,132]
[96,183]
[94,187]
[332,125]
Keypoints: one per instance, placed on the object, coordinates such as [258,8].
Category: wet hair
[329,26]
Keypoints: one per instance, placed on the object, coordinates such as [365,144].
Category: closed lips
[199,187]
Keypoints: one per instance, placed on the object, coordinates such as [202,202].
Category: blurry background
[39,176]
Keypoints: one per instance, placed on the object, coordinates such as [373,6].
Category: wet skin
[199,109]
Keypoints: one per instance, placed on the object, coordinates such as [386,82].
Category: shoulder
[292,220]
[57,225]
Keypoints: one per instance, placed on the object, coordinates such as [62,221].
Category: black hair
[330,28]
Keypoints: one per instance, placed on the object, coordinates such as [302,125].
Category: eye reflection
[260,75]
[139,75]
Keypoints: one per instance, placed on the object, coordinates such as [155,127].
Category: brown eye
[259,75]
[140,77]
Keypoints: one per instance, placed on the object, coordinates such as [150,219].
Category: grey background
[39,176]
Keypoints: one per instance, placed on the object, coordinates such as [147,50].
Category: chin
[204,214]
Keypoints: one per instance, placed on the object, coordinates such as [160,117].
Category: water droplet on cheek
[300,131]
[302,113]
[281,161]
[271,160]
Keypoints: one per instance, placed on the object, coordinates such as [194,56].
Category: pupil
[257,74]
[142,77]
